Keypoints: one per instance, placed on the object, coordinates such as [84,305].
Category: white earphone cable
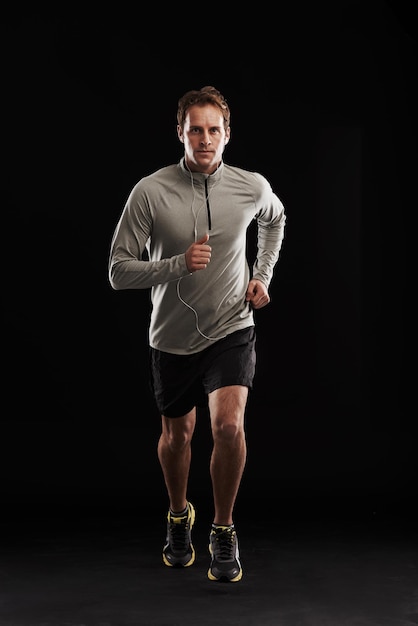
[195,216]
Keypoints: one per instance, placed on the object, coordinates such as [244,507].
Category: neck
[191,168]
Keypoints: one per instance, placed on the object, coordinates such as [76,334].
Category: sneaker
[178,550]
[223,547]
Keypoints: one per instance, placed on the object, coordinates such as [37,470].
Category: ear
[180,133]
[227,134]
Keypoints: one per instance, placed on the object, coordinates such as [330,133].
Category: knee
[177,440]
[227,432]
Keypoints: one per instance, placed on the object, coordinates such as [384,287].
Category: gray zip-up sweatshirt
[168,210]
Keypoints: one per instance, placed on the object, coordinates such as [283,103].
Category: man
[191,218]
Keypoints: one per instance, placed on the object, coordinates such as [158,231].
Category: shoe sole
[190,562]
[224,578]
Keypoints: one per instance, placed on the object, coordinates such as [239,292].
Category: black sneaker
[178,550]
[223,547]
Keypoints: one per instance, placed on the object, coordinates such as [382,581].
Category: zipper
[208,205]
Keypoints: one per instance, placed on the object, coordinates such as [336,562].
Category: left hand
[257,294]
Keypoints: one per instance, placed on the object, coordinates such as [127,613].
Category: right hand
[198,255]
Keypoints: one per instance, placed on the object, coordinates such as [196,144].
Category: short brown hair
[205,95]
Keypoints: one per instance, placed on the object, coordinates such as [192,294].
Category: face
[204,138]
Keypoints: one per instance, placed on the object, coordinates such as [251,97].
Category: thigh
[227,405]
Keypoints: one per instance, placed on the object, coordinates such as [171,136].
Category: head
[203,119]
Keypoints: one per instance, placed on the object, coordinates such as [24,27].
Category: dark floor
[97,568]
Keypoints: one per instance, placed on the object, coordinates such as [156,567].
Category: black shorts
[181,382]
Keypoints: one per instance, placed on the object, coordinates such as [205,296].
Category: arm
[127,267]
[270,232]
[128,270]
[270,223]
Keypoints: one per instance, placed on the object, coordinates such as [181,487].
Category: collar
[200,177]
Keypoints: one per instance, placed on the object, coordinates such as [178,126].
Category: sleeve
[127,267]
[271,220]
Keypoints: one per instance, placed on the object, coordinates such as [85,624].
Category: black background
[322,101]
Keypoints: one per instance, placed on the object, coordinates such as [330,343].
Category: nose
[205,141]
